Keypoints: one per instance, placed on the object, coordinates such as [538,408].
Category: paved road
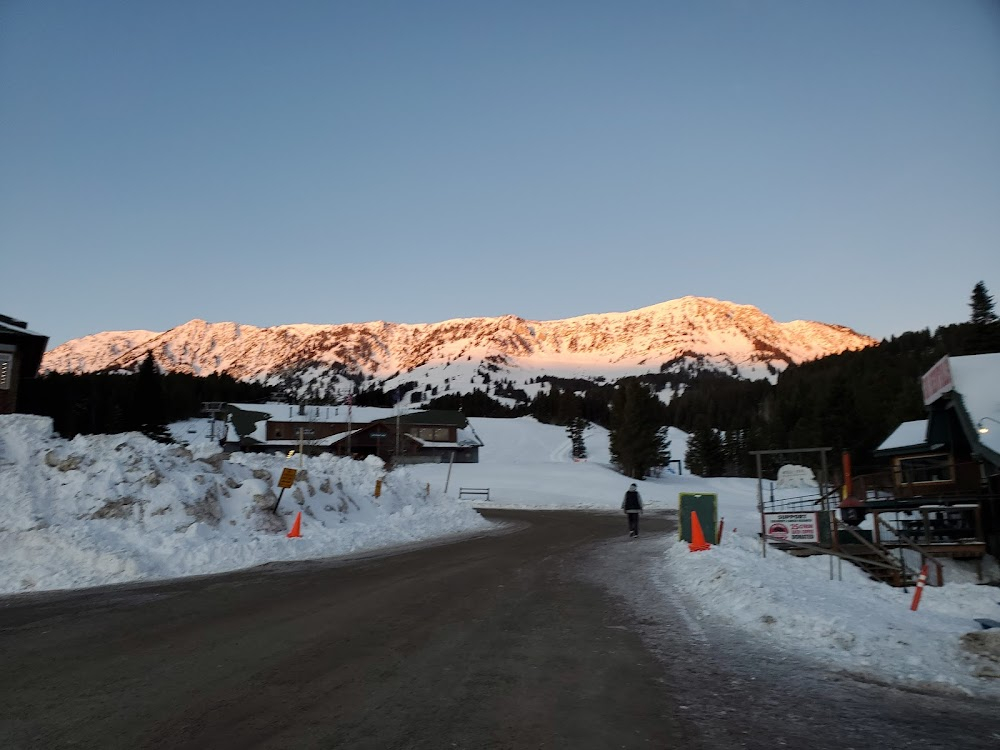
[537,638]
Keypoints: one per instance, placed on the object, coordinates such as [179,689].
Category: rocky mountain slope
[692,332]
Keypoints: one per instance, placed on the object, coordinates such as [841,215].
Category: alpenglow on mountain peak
[686,333]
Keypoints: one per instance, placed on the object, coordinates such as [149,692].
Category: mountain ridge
[698,332]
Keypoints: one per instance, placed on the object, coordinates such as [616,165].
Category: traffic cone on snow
[698,543]
[296,527]
[921,582]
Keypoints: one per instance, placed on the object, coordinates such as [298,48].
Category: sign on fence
[795,527]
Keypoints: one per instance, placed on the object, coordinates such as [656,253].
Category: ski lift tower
[213,409]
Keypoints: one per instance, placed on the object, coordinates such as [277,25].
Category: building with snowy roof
[950,462]
[21,353]
[395,435]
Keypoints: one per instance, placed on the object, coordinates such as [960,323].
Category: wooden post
[845,460]
[448,479]
[822,481]
[275,508]
[760,507]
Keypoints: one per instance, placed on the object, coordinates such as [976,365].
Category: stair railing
[875,549]
[836,553]
[887,560]
[910,544]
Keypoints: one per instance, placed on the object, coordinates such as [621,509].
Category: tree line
[146,401]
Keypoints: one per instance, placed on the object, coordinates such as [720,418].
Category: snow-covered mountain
[458,355]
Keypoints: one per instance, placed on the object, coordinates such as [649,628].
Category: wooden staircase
[879,565]
[877,562]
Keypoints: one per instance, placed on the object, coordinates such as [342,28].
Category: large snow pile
[854,623]
[101,509]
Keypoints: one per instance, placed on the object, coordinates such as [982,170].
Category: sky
[84,513]
[329,162]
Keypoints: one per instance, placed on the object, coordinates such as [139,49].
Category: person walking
[632,505]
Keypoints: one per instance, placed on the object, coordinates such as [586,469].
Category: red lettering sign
[936,381]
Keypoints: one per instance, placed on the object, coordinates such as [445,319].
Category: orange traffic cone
[296,527]
[698,543]
[921,582]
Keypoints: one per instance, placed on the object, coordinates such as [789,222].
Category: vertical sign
[706,506]
[936,381]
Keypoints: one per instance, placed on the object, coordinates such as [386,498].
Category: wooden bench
[463,491]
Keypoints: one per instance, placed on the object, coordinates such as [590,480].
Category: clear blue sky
[331,162]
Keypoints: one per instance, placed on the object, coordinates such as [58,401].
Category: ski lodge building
[945,470]
[397,437]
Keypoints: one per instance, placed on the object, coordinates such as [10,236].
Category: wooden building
[943,475]
[419,436]
[21,353]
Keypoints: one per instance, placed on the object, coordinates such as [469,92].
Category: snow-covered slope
[689,332]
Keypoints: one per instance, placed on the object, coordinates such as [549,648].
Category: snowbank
[103,509]
[850,622]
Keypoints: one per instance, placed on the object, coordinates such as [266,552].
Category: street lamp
[982,428]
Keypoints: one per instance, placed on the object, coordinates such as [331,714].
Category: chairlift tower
[213,409]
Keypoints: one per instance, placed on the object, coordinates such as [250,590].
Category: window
[434,434]
[6,370]
[923,469]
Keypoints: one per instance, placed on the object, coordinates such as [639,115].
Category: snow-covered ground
[107,509]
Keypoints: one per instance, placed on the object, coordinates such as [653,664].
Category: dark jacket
[632,502]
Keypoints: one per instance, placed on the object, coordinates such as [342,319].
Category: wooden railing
[966,480]
[910,544]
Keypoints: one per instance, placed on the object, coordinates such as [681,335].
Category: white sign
[936,381]
[791,476]
[795,527]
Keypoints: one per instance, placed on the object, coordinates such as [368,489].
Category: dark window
[920,469]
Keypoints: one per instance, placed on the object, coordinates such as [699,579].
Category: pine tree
[982,306]
[150,409]
[734,449]
[985,336]
[662,450]
[568,407]
[575,431]
[705,453]
[635,443]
